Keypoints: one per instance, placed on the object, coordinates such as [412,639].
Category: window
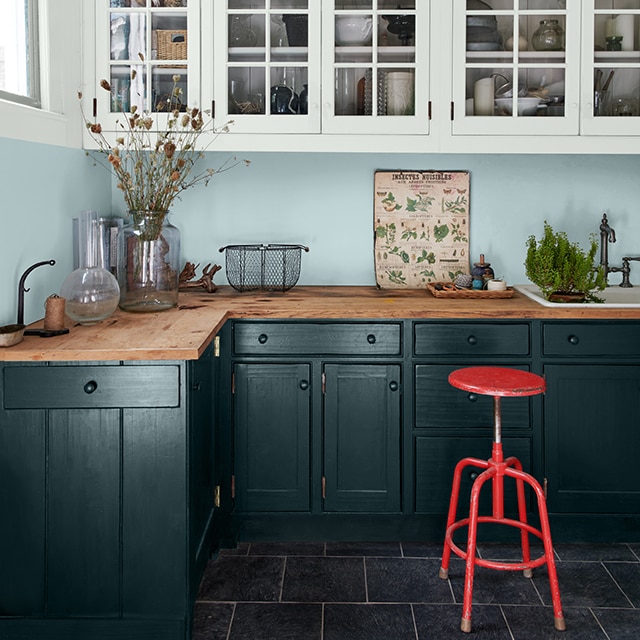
[19,57]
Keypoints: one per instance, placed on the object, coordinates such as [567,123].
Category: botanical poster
[421,227]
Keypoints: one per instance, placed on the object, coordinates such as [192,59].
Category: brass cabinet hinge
[216,496]
[545,488]
[324,488]
[216,347]
[233,486]
[324,382]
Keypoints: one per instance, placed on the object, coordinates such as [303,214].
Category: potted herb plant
[562,269]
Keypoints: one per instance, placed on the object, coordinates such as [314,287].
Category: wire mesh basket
[266,267]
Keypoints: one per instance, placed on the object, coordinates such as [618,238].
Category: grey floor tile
[508,552]
[277,621]
[536,623]
[582,584]
[494,587]
[421,550]
[363,549]
[324,580]
[441,622]
[620,624]
[241,578]
[635,548]
[627,575]
[211,621]
[406,580]
[368,622]
[286,549]
[242,549]
[595,552]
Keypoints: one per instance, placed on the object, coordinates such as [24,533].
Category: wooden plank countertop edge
[185,332]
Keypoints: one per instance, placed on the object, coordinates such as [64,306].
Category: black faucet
[607,234]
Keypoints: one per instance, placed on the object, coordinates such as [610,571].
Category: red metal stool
[498,382]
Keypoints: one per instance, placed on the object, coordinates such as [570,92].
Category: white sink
[613,296]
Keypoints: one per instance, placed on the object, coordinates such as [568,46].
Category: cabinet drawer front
[91,387]
[361,339]
[591,339]
[471,339]
[438,405]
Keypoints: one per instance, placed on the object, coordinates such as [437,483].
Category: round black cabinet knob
[473,397]
[574,339]
[393,385]
[90,386]
[304,385]
[472,340]
[371,339]
[262,338]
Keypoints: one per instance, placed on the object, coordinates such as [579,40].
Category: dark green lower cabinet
[106,498]
[592,438]
[272,421]
[359,432]
[362,438]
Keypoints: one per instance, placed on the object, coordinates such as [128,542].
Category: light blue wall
[324,201]
[43,188]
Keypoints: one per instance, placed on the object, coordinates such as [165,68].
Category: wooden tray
[467,293]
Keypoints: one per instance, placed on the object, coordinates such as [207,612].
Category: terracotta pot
[561,296]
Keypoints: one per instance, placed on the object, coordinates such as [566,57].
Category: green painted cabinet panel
[362,434]
[108,508]
[317,338]
[436,458]
[471,339]
[272,421]
[592,438]
[583,339]
[438,405]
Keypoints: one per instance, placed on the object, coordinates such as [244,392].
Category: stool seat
[497,381]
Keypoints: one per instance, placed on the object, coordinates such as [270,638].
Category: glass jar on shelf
[549,36]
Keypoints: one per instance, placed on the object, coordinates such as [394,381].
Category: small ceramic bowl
[526,106]
[11,334]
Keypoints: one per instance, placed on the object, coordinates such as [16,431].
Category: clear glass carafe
[91,293]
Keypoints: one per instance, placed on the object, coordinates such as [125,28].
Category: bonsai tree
[557,265]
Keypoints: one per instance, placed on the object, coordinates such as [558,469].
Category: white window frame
[56,121]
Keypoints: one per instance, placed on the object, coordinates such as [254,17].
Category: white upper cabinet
[511,76]
[264,64]
[375,67]
[611,68]
[143,47]
[516,67]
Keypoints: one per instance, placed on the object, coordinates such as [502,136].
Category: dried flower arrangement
[152,165]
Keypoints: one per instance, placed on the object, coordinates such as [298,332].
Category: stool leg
[522,514]
[453,507]
[465,623]
[558,615]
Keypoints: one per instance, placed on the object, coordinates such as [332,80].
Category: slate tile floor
[391,591]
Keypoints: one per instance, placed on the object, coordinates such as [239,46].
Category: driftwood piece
[205,281]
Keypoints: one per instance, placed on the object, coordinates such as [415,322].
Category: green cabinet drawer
[78,387]
[435,460]
[591,339]
[471,339]
[309,338]
[438,405]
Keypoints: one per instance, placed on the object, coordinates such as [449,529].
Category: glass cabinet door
[268,79]
[376,67]
[516,67]
[149,46]
[611,80]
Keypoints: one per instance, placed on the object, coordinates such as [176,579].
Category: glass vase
[148,262]
[549,36]
[91,292]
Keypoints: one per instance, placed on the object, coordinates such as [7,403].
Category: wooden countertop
[185,332]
